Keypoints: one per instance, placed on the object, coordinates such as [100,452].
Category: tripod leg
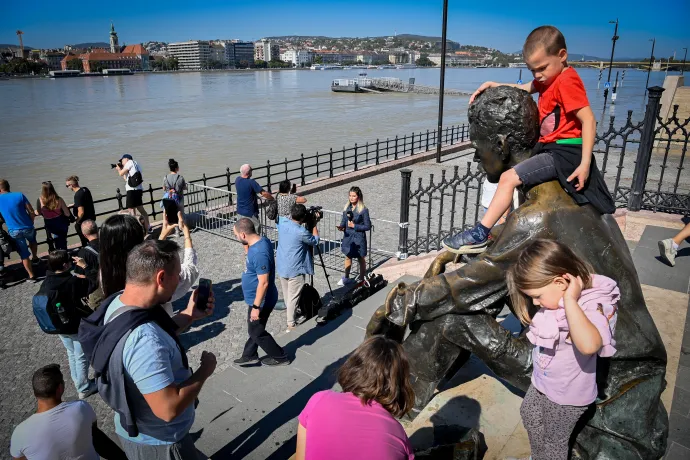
[325,272]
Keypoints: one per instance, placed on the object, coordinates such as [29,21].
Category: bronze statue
[451,315]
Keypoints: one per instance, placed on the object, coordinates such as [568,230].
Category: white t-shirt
[488,192]
[62,432]
[132,167]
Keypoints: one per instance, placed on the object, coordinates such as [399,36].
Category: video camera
[113,165]
[314,214]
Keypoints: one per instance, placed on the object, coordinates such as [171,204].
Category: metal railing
[321,165]
[213,211]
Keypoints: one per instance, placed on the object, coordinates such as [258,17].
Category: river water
[50,129]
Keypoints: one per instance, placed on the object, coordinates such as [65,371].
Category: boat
[481,67]
[362,74]
[345,85]
[387,66]
[405,66]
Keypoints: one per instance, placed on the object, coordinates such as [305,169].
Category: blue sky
[503,25]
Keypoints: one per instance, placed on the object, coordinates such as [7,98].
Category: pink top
[560,371]
[339,426]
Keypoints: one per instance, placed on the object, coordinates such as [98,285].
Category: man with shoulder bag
[141,367]
[131,171]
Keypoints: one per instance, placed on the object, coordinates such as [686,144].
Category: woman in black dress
[355,223]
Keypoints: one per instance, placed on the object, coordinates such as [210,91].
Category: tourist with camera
[294,257]
[355,223]
[131,172]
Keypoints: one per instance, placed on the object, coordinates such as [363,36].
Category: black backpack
[54,320]
[135,179]
[309,303]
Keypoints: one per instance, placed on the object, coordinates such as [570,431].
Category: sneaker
[268,361]
[667,251]
[465,243]
[290,328]
[343,281]
[243,361]
[35,260]
[93,388]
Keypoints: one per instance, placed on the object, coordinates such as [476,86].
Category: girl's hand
[351,224]
[575,286]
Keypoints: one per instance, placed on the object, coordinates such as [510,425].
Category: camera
[314,214]
[113,165]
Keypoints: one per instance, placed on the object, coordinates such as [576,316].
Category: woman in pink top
[575,323]
[55,213]
[360,423]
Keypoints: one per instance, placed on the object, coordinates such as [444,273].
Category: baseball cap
[126,155]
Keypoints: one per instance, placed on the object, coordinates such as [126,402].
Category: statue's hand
[401,305]
[438,266]
[379,325]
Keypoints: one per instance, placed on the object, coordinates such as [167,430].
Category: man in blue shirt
[294,257]
[247,203]
[260,294]
[19,218]
[161,389]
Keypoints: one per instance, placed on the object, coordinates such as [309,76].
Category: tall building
[298,58]
[191,55]
[265,50]
[218,53]
[237,52]
[114,45]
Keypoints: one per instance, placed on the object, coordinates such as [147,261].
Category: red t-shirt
[558,104]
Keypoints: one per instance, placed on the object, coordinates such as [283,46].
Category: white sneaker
[667,251]
[343,281]
[93,388]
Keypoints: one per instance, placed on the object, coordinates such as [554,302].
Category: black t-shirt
[92,263]
[83,198]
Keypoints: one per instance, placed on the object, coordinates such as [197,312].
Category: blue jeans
[78,364]
[58,228]
[20,238]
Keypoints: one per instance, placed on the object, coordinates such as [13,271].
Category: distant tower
[114,45]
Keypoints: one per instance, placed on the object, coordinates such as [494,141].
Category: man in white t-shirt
[134,201]
[59,429]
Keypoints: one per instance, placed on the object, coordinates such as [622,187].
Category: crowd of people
[128,333]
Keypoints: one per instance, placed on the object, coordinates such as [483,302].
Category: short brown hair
[548,37]
[378,370]
[4,185]
[74,179]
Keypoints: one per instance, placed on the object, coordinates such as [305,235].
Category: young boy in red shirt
[564,151]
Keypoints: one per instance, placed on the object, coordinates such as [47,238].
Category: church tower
[114,45]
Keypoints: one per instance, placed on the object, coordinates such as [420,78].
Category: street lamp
[682,67]
[613,48]
[651,59]
[442,82]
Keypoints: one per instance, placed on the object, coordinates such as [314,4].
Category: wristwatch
[256,307]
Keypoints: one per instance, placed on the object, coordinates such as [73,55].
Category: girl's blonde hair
[360,199]
[49,196]
[538,265]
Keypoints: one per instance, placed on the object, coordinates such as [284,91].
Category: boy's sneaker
[93,388]
[268,361]
[472,241]
[243,361]
[667,251]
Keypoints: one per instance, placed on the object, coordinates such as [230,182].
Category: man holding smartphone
[260,294]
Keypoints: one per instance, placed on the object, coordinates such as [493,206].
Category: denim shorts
[536,170]
[20,238]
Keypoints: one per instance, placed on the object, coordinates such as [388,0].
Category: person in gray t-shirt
[60,429]
[174,183]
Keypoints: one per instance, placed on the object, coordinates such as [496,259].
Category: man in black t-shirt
[83,205]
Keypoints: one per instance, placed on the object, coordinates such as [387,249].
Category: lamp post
[613,48]
[442,83]
[682,66]
[651,62]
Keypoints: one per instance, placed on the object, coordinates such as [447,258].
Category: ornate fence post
[330,163]
[644,154]
[227,175]
[301,165]
[377,151]
[285,167]
[268,175]
[203,177]
[153,205]
[395,154]
[355,156]
[118,196]
[406,177]
[427,140]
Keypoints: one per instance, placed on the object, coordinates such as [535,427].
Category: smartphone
[171,210]
[203,293]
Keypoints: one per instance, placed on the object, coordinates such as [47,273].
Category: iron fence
[299,170]
[642,163]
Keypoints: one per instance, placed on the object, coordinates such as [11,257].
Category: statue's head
[504,126]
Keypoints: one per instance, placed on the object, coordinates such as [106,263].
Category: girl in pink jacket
[574,324]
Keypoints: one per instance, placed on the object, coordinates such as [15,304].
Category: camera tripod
[323,265]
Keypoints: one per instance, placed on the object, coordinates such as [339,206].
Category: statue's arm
[472,288]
